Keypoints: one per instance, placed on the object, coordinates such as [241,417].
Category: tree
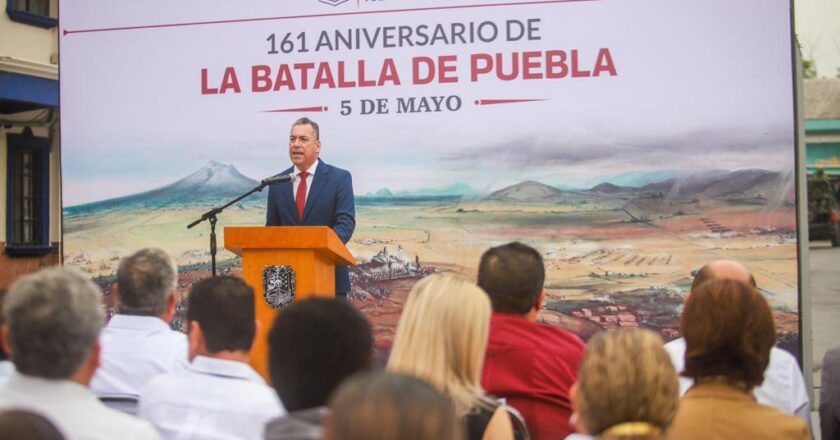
[809,69]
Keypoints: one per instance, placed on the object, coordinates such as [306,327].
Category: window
[27,195]
[34,12]
[39,7]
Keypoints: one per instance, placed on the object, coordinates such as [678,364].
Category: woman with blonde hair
[627,387]
[441,338]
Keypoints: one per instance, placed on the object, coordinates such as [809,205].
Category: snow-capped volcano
[213,179]
[213,184]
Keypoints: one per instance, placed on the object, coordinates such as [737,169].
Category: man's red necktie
[300,197]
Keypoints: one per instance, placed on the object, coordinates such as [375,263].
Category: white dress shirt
[212,399]
[783,386]
[74,409]
[309,179]
[135,349]
[7,368]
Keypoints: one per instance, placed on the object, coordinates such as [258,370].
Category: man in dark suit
[321,195]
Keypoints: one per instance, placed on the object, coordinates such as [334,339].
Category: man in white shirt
[783,386]
[138,344]
[53,319]
[219,396]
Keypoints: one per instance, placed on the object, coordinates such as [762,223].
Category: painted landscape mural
[616,255]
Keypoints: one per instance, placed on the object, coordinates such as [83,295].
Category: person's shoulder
[773,418]
[246,391]
[675,343]
[781,353]
[174,337]
[832,355]
[257,391]
[722,417]
[165,384]
[782,359]
[163,345]
[555,335]
[300,425]
[677,346]
[332,169]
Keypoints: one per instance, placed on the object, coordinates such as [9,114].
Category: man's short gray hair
[146,280]
[307,121]
[54,317]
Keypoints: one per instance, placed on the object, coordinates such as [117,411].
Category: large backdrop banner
[630,141]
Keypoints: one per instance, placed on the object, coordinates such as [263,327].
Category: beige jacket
[718,411]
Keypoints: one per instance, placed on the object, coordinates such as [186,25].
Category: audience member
[387,406]
[25,425]
[729,331]
[313,346]
[137,343]
[53,319]
[6,366]
[627,388]
[783,386]
[531,365]
[830,394]
[219,396]
[441,338]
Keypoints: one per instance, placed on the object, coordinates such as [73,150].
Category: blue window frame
[28,195]
[34,12]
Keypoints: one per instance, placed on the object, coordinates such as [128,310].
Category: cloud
[739,144]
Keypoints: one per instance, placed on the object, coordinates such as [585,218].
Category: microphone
[278,179]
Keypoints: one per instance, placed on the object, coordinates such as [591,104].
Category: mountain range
[752,183]
[536,192]
[456,189]
[215,183]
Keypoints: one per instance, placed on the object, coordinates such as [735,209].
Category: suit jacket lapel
[286,190]
[322,176]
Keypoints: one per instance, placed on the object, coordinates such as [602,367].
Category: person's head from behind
[53,318]
[313,346]
[25,425]
[723,270]
[146,282]
[220,317]
[442,335]
[626,376]
[385,406]
[729,331]
[513,277]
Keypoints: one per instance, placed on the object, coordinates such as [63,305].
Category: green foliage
[809,69]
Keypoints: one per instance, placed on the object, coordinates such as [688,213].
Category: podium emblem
[278,286]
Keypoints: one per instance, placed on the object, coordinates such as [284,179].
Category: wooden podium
[312,251]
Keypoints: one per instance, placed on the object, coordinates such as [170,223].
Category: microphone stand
[211,217]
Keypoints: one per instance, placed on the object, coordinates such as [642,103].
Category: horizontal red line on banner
[299,109]
[504,101]
[332,14]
